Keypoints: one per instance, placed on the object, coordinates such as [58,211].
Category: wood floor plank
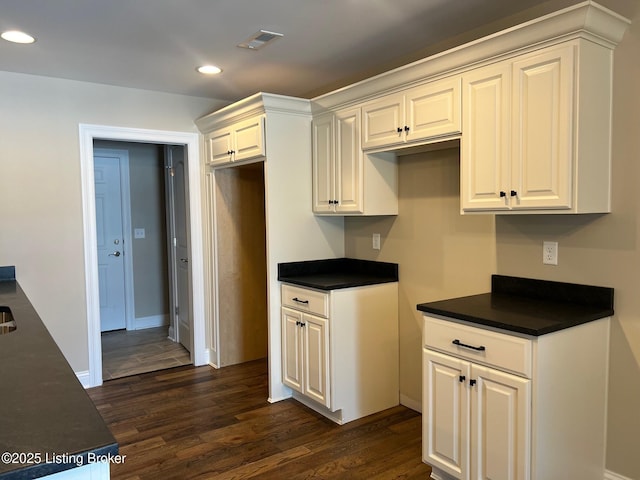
[131,352]
[203,423]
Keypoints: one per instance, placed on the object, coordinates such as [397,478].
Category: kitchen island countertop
[47,420]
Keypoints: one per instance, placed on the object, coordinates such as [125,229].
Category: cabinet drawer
[500,350]
[305,300]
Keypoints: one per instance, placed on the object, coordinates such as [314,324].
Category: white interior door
[179,243]
[111,272]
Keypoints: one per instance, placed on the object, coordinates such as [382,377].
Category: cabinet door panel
[433,110]
[348,162]
[500,428]
[219,144]
[323,164]
[542,126]
[316,348]
[381,120]
[484,166]
[445,413]
[249,139]
[292,372]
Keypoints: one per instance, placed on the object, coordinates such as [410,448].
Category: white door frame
[87,134]
[127,243]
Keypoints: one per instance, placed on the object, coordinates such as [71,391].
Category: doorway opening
[189,143]
[241,326]
[141,230]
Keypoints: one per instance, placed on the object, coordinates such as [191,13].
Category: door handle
[184,260]
[114,254]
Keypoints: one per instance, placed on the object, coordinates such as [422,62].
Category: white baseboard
[609,475]
[411,403]
[85,378]
[141,323]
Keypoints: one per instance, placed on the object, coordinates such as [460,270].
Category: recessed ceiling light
[209,69]
[17,36]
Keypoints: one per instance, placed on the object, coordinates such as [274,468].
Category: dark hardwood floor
[198,422]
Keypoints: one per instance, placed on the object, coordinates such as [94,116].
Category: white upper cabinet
[415,115]
[531,106]
[340,168]
[337,163]
[542,129]
[537,133]
[241,141]
[485,143]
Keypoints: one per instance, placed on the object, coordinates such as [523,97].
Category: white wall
[40,189]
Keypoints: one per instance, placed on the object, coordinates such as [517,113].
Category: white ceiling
[157,44]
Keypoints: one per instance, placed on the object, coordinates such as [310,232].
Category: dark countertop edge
[7,273]
[337,265]
[43,469]
[529,297]
[335,286]
[53,378]
[337,273]
[424,307]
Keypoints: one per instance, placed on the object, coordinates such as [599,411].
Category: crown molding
[586,20]
[257,104]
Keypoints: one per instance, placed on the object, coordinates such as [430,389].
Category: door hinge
[177,310]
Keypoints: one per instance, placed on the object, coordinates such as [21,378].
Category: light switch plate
[138,233]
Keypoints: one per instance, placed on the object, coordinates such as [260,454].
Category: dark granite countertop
[44,408]
[529,306]
[336,273]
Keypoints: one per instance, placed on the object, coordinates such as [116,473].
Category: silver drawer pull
[460,344]
[296,299]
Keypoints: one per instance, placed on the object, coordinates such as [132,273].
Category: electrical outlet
[550,253]
[138,233]
[376,241]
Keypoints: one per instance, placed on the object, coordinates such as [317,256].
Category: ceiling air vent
[259,40]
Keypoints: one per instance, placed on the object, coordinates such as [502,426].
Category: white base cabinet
[340,349]
[501,406]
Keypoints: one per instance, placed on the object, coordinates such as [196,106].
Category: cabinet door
[445,413]
[500,425]
[219,146]
[433,110]
[485,148]
[542,129]
[316,359]
[381,120]
[323,163]
[348,163]
[292,350]
[249,139]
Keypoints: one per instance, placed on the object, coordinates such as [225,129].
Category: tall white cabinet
[293,232]
[504,406]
